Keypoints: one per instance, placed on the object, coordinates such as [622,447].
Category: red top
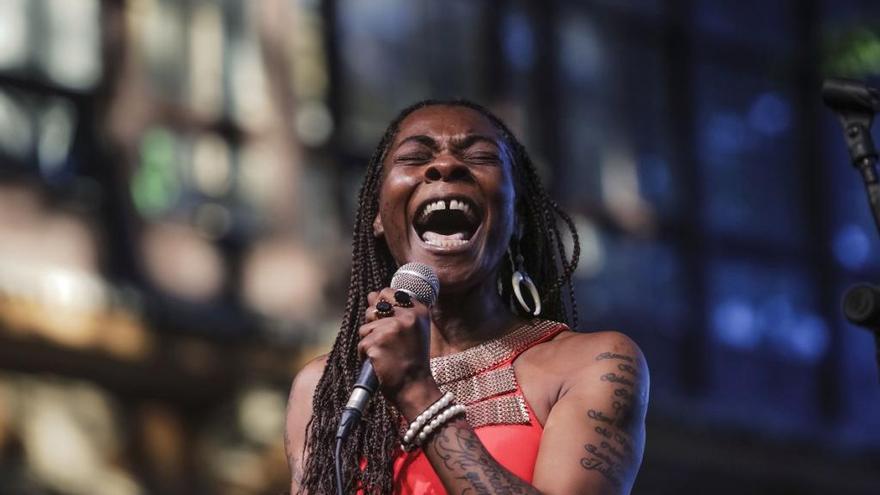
[514,446]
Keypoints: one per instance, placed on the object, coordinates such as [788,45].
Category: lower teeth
[446,242]
[452,240]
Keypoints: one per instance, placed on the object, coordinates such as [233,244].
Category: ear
[378,228]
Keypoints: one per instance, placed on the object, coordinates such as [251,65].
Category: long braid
[378,435]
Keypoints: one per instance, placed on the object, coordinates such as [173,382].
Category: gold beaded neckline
[482,377]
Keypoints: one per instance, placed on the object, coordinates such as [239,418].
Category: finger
[367,329]
[372,298]
[370,314]
[386,294]
[365,345]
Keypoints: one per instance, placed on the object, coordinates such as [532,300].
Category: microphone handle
[364,388]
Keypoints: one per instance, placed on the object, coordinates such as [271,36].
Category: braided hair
[376,439]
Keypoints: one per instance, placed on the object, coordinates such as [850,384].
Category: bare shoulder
[590,349]
[308,376]
[299,413]
[299,402]
[597,355]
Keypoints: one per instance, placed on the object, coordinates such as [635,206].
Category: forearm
[463,464]
[457,455]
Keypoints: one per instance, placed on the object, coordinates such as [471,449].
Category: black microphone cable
[337,461]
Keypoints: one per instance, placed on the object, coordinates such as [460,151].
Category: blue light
[776,310]
[851,246]
[792,332]
[726,133]
[655,177]
[808,339]
[770,114]
[519,45]
[733,324]
[580,51]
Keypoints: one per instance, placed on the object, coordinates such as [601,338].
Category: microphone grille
[419,280]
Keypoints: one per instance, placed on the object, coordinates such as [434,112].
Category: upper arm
[594,435]
[299,413]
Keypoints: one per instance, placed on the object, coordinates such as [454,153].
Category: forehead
[446,120]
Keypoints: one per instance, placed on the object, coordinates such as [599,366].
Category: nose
[446,168]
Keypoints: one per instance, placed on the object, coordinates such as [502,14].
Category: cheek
[391,192]
[505,205]
[393,197]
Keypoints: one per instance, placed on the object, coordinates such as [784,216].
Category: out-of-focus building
[177,188]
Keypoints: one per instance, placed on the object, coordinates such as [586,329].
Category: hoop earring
[519,277]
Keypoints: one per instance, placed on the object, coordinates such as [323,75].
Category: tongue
[455,239]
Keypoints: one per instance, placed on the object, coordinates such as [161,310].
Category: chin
[458,274]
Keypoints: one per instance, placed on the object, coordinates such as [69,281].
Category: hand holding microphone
[397,343]
[394,339]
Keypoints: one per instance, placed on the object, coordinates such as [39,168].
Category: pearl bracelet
[426,415]
[439,421]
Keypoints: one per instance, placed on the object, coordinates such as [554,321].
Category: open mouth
[448,222]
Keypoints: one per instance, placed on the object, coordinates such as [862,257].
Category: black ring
[384,309]
[404,300]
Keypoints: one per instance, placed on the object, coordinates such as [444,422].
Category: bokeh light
[178,182]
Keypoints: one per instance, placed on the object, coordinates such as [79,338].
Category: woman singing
[479,394]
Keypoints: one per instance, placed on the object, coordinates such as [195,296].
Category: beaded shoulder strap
[482,377]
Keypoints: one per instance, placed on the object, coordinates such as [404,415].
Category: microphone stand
[855,104]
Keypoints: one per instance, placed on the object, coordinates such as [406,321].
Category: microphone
[840,94]
[855,104]
[420,282]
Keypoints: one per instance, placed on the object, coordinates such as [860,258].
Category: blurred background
[177,189]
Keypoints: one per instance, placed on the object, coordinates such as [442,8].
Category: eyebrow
[457,142]
[471,139]
[421,139]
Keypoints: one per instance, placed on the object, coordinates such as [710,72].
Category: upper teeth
[436,205]
[454,204]
[459,205]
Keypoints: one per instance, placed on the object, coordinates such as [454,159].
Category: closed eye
[413,158]
[482,158]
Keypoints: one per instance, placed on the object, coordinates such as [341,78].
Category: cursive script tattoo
[628,369]
[462,453]
[611,355]
[615,378]
[596,461]
[623,393]
[611,449]
[600,416]
[592,449]
[613,454]
[603,431]
[624,442]
[475,482]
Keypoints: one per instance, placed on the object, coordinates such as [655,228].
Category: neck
[462,320]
